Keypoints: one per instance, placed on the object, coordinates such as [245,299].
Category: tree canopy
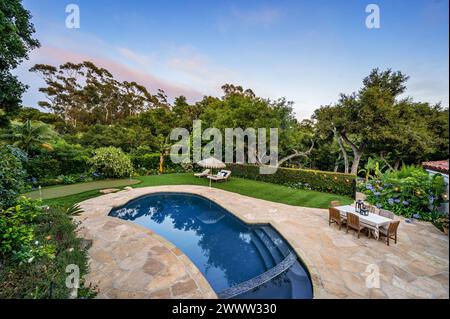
[16,40]
[90,107]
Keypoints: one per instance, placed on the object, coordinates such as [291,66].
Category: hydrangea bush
[410,192]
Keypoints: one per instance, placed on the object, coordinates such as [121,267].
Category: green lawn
[267,191]
[66,190]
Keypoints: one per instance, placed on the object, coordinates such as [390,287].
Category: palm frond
[74,210]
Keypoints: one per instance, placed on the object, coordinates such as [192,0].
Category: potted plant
[444,223]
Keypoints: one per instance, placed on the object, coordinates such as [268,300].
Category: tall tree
[365,118]
[16,40]
[89,94]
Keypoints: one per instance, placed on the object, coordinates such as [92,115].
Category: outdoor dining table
[371,221]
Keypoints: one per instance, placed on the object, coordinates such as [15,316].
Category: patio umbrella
[211,162]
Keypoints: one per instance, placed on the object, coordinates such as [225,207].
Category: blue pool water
[237,259]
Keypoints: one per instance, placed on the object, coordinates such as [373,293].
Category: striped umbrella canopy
[211,162]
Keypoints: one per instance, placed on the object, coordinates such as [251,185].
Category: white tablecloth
[373,221]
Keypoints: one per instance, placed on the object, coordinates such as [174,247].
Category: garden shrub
[329,182]
[72,158]
[42,167]
[409,192]
[111,162]
[45,277]
[17,239]
[12,175]
[62,159]
[147,161]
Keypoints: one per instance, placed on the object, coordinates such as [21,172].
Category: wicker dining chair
[390,232]
[335,217]
[386,213]
[353,222]
[335,203]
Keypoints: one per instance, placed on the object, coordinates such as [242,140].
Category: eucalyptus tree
[89,94]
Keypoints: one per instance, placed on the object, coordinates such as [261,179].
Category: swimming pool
[239,260]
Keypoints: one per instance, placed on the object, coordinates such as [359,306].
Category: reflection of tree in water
[225,243]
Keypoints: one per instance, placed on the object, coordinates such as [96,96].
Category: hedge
[329,182]
[151,162]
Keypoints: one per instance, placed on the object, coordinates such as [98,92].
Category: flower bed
[410,192]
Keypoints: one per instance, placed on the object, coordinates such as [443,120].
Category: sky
[306,51]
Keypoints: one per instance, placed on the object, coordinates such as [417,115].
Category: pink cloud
[56,56]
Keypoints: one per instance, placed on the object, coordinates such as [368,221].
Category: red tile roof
[439,166]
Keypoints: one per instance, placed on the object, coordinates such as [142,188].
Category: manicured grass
[261,190]
[256,189]
[66,190]
[67,201]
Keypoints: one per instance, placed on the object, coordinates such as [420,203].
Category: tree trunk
[343,151]
[357,152]
[355,163]
[161,163]
[386,162]
[397,164]
[336,166]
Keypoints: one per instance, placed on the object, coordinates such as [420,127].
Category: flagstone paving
[129,261]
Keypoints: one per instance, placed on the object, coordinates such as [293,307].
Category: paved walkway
[129,261]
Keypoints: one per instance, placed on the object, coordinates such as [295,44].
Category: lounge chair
[222,176]
[390,232]
[202,174]
[335,217]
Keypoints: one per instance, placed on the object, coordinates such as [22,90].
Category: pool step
[277,240]
[270,245]
[267,258]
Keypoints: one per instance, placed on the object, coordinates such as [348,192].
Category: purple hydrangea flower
[378,205]
[405,202]
[397,200]
[391,201]
[377,193]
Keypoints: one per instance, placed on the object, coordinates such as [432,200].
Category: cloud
[263,16]
[198,69]
[139,59]
[56,56]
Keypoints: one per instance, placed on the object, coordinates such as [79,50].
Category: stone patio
[129,261]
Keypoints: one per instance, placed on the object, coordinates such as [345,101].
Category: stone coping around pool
[131,261]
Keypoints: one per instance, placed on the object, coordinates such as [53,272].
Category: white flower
[36,242]
[30,260]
